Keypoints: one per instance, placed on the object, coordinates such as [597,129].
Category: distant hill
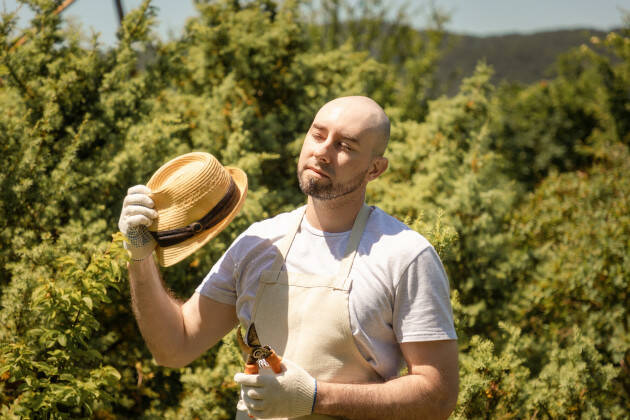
[514,57]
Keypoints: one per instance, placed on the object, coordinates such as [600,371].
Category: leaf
[88,302]
[67,377]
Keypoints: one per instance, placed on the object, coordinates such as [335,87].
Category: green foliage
[576,227]
[498,384]
[440,234]
[524,191]
[52,361]
[582,382]
[492,384]
[573,249]
[64,115]
[552,125]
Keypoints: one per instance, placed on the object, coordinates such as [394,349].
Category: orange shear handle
[251,368]
[275,362]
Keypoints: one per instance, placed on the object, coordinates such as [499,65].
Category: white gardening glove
[290,393]
[137,213]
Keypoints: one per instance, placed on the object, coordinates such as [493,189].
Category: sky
[476,17]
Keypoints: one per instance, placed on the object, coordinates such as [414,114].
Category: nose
[322,150]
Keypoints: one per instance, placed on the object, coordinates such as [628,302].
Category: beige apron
[305,318]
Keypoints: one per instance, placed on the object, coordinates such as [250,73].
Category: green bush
[52,355]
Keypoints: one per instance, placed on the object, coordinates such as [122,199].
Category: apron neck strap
[285,243]
[343,276]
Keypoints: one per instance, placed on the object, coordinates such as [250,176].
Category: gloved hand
[137,213]
[290,393]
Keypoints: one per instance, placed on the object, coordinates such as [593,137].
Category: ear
[377,167]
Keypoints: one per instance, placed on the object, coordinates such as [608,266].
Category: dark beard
[328,191]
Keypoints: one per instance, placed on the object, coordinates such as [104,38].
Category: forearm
[158,314]
[406,397]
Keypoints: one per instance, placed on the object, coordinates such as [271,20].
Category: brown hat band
[217,214]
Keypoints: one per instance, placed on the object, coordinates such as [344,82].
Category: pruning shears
[257,352]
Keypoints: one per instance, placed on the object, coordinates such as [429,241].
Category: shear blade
[252,336]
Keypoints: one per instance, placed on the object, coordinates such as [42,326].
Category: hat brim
[171,255]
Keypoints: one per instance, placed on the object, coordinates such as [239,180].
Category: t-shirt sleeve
[422,306]
[219,283]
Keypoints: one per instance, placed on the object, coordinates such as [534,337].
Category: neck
[334,215]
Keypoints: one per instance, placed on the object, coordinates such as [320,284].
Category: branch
[121,12]
[21,84]
[63,6]
[74,323]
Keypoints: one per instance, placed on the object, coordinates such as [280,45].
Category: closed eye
[345,146]
[317,136]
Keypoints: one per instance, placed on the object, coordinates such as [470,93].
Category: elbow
[173,355]
[441,409]
[443,401]
[433,403]
[169,361]
[448,402]
[173,364]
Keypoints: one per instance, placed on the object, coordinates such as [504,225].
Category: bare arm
[175,333]
[429,391]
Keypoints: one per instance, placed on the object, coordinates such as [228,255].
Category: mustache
[324,168]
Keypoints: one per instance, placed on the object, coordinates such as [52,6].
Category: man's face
[337,153]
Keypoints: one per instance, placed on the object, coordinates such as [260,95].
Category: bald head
[343,149]
[367,114]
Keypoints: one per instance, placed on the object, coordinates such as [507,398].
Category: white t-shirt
[399,291]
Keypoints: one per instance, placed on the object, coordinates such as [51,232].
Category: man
[343,292]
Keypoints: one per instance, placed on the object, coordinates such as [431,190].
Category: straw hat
[196,198]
